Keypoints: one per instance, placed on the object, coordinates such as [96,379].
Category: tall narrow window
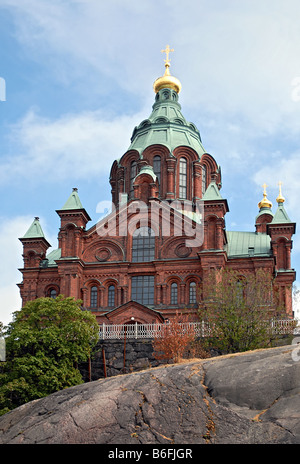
[142,289]
[157,168]
[174,291]
[111,295]
[133,173]
[53,293]
[143,245]
[203,179]
[193,292]
[182,178]
[94,297]
[239,292]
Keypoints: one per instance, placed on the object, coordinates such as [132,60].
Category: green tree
[44,344]
[238,310]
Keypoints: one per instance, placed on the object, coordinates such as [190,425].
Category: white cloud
[84,144]
[286,169]
[237,62]
[72,35]
[238,56]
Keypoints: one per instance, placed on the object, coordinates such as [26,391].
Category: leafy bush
[238,310]
[174,338]
[44,343]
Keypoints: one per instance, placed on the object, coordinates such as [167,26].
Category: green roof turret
[73,202]
[35,230]
[281,216]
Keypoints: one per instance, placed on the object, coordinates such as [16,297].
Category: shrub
[174,338]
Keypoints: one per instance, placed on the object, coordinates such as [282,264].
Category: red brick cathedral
[150,256]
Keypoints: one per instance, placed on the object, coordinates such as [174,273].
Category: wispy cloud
[230,55]
[84,144]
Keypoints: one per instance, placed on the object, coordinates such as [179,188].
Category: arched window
[193,297]
[183,178]
[203,179]
[133,173]
[174,292]
[111,295]
[143,245]
[53,293]
[157,168]
[94,297]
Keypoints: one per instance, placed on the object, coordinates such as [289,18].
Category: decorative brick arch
[190,156]
[104,249]
[86,291]
[169,281]
[212,169]
[145,187]
[49,288]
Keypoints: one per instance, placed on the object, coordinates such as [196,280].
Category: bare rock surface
[249,398]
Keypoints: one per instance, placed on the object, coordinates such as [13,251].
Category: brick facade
[123,277]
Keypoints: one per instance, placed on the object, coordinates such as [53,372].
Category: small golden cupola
[167,81]
[265,215]
[280,198]
[265,203]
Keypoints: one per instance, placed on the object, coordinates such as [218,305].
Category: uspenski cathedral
[166,232]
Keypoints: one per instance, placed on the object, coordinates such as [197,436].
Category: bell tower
[281,229]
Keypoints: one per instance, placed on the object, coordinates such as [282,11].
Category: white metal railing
[284,326]
[201,329]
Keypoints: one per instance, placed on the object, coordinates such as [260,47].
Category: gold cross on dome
[280,185]
[167,51]
[265,188]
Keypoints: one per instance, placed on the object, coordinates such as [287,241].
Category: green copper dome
[166,126]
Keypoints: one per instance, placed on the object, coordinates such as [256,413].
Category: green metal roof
[166,126]
[281,216]
[52,256]
[242,244]
[35,230]
[73,202]
[212,192]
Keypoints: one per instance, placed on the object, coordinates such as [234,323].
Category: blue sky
[79,77]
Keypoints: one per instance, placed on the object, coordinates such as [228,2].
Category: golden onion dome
[167,81]
[265,203]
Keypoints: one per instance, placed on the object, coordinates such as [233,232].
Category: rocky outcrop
[245,398]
